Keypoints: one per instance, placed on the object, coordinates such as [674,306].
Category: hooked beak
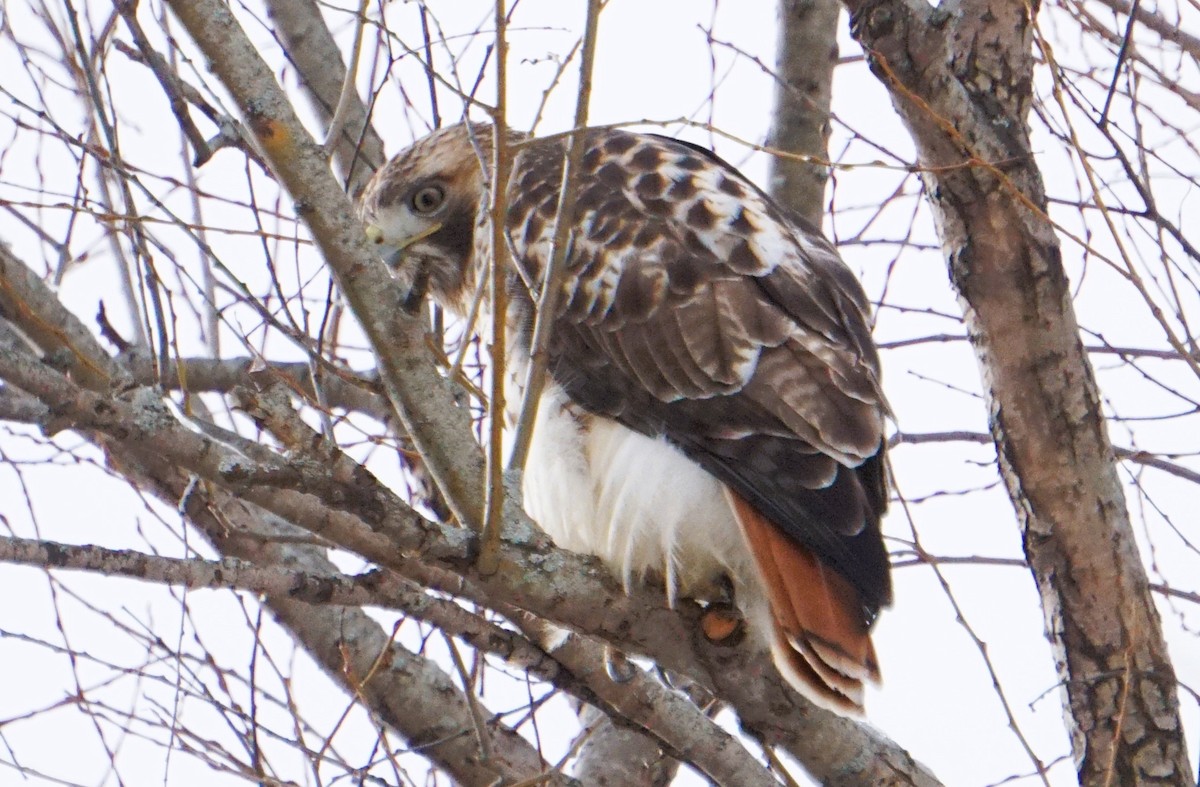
[391,255]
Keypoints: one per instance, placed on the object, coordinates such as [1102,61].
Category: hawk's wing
[695,309]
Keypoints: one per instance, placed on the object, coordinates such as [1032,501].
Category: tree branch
[534,575]
[439,429]
[315,54]
[407,691]
[961,80]
[805,57]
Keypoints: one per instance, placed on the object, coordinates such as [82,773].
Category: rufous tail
[820,640]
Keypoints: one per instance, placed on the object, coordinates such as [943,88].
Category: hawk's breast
[637,502]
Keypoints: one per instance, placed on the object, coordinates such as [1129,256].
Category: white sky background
[655,62]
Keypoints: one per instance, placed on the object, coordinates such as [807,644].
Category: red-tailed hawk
[713,407]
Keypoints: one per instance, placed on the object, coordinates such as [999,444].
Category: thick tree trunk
[961,79]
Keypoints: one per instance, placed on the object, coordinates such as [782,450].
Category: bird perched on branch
[713,410]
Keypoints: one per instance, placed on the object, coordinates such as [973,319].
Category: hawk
[713,411]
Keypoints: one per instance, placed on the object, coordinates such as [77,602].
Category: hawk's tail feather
[819,639]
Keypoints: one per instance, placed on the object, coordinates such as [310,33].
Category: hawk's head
[421,209]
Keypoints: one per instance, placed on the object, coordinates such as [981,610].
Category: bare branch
[439,429]
[662,713]
[972,80]
[312,49]
[1169,30]
[805,57]
[409,692]
[617,754]
[497,294]
[1127,454]
[348,98]
[547,307]
[29,304]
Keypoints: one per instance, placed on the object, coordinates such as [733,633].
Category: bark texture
[612,755]
[311,47]
[960,76]
[805,57]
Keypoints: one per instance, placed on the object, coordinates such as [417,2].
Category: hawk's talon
[617,666]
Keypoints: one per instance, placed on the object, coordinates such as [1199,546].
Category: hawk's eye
[427,199]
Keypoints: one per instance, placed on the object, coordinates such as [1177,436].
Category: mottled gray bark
[960,76]
[613,755]
[310,46]
[804,60]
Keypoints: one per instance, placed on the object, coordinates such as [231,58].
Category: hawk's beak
[391,255]
[375,235]
[420,236]
[393,251]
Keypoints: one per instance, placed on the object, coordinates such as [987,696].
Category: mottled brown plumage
[696,312]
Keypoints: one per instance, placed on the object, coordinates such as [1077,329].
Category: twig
[348,99]
[1125,454]
[980,645]
[564,220]
[1170,31]
[429,72]
[168,79]
[497,280]
[485,748]
[1122,53]
[136,232]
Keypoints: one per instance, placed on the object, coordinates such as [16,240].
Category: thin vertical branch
[348,98]
[497,277]
[535,381]
[137,236]
[434,110]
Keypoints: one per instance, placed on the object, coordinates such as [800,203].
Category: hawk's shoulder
[696,309]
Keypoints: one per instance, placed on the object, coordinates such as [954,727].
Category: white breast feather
[637,503]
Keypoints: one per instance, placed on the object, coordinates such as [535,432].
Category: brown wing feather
[819,632]
[698,311]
